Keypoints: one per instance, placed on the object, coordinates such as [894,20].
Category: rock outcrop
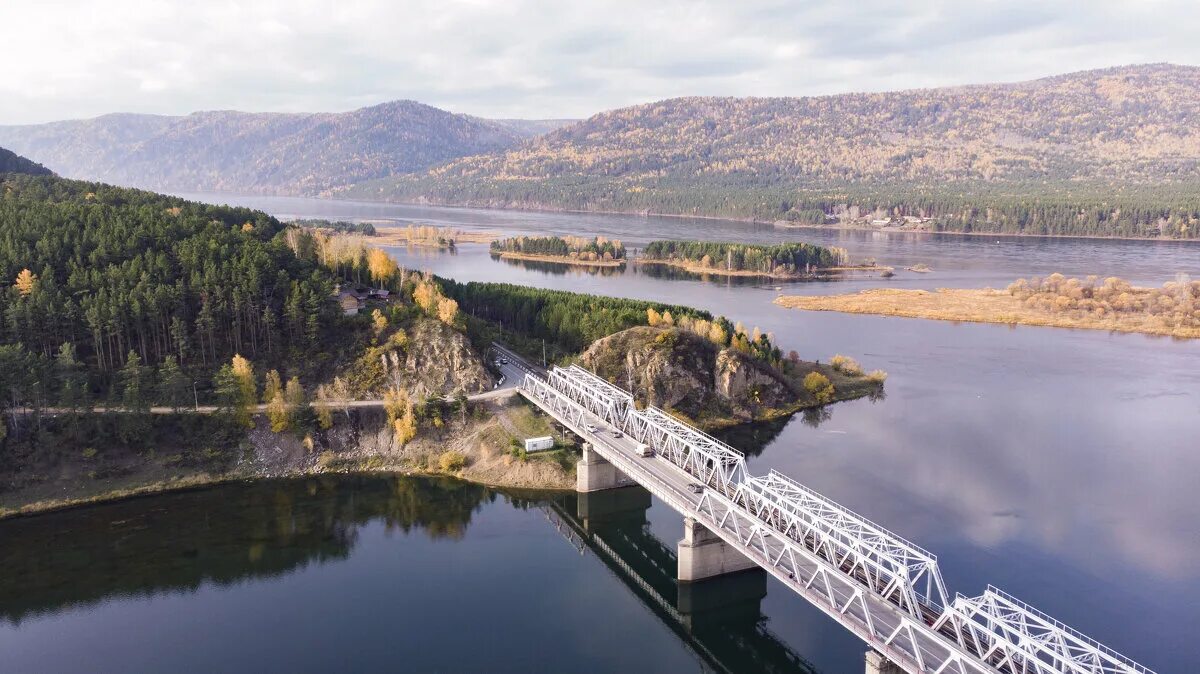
[439,360]
[679,371]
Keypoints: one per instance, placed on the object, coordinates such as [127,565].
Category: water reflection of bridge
[719,619]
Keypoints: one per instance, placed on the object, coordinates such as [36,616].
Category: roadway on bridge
[670,484]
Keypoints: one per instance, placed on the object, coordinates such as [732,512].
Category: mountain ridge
[1072,140]
[268,152]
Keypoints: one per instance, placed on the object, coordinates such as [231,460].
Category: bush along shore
[1054,301]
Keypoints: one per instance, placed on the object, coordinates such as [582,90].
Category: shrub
[819,386]
[452,461]
[877,376]
[846,365]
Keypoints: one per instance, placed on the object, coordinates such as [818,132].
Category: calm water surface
[1059,465]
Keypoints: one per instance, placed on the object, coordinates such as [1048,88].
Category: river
[1058,465]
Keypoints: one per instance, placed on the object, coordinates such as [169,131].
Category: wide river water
[1059,465]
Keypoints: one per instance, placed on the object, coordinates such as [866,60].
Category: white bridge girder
[885,589]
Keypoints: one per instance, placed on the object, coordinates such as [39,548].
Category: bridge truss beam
[885,589]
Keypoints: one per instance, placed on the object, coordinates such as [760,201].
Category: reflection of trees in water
[221,535]
[752,439]
[560,268]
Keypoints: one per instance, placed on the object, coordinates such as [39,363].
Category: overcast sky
[563,58]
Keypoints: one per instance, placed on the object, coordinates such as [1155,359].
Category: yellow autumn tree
[277,413]
[401,415]
[653,318]
[26,281]
[297,401]
[243,370]
[272,384]
[379,322]
[323,409]
[380,265]
[447,310]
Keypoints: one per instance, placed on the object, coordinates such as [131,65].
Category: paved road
[512,371]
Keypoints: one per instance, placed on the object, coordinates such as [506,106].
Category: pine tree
[172,384]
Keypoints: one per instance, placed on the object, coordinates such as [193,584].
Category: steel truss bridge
[881,587]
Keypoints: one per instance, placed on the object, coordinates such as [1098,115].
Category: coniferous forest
[96,276]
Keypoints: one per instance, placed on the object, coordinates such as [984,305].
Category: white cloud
[525,58]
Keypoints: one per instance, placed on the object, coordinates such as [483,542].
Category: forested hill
[1104,152]
[10,162]
[112,273]
[262,152]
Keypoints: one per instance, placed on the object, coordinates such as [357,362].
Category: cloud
[529,58]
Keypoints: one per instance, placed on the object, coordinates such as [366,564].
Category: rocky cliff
[681,372]
[440,360]
[426,358]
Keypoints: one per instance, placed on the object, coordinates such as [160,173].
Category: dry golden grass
[1017,306]
[396,236]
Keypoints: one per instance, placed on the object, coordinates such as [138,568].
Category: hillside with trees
[269,153]
[1110,152]
[11,162]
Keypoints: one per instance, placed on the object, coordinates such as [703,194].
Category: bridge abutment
[878,664]
[594,473]
[703,554]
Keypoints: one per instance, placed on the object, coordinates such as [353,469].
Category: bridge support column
[878,664]
[593,473]
[702,554]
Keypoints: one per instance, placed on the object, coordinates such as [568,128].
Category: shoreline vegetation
[1056,301]
[785,261]
[572,250]
[560,259]
[409,235]
[774,221]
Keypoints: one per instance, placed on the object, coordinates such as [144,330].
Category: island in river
[1056,301]
[784,261]
[573,250]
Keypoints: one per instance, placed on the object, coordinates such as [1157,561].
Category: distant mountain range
[271,153]
[1121,133]
[1113,152]
[11,162]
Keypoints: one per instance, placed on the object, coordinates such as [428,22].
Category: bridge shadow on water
[719,619]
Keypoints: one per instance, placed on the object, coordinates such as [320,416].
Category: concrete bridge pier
[878,664]
[702,554]
[624,506]
[731,598]
[593,473]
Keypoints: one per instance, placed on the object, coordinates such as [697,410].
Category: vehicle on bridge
[644,450]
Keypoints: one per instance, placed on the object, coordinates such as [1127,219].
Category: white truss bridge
[881,587]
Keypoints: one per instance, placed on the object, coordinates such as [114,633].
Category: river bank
[560,259]
[782,224]
[822,273]
[477,448]
[994,306]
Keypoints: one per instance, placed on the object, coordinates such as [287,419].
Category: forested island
[1056,301]
[153,343]
[782,261]
[594,252]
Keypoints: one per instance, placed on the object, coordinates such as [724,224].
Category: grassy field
[1003,306]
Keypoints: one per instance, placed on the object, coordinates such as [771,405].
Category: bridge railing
[707,459]
[1008,632]
[888,565]
[837,558]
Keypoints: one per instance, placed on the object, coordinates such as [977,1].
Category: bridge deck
[858,573]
